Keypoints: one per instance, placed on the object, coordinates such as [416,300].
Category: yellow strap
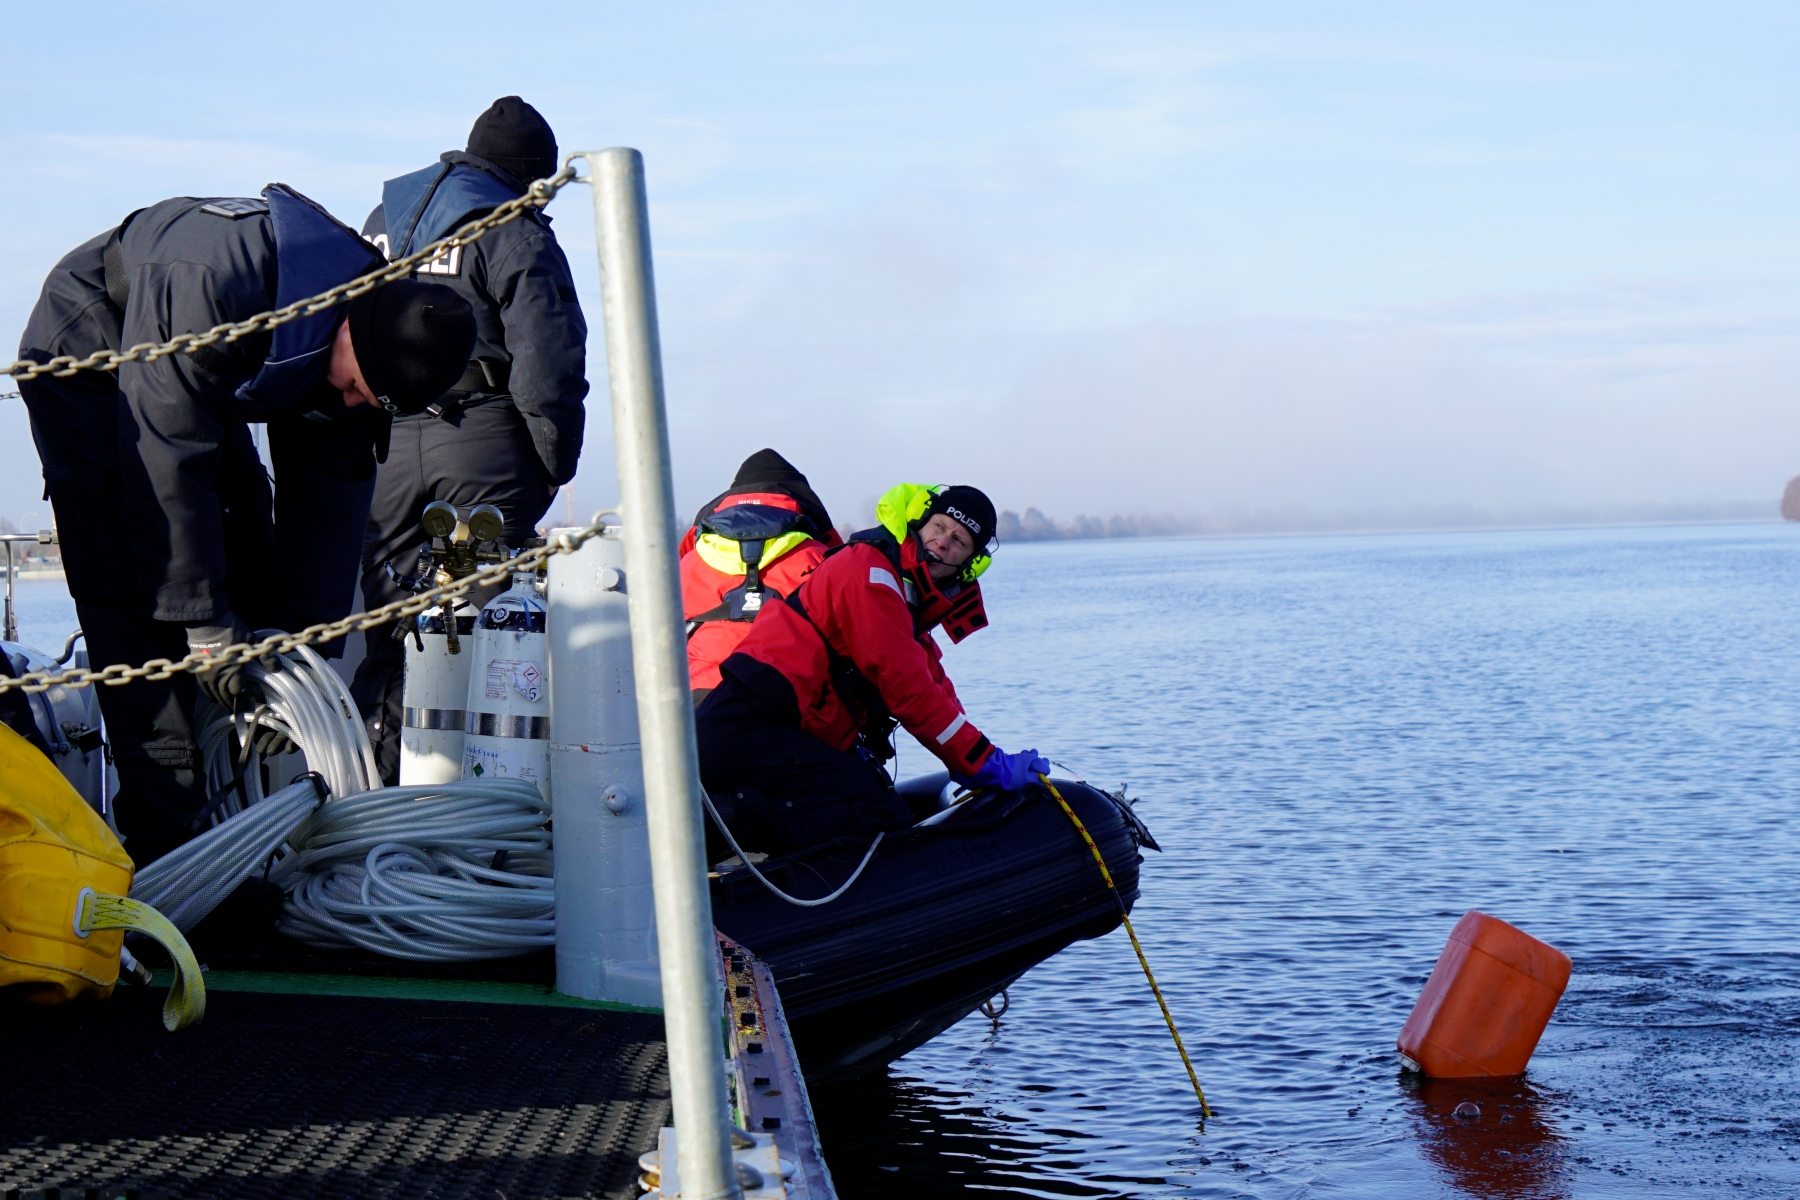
[187,996]
[724,556]
[1124,916]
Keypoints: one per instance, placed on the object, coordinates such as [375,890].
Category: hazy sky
[1094,258]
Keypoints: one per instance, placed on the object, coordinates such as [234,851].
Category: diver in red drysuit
[770,513]
[792,741]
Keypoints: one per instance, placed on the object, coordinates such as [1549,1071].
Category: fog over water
[1139,258]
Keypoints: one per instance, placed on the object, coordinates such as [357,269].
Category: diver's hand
[1010,772]
[221,685]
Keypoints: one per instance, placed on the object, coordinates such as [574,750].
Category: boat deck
[332,1086]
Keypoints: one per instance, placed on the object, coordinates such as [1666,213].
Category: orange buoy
[1486,1003]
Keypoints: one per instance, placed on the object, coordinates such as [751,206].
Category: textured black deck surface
[327,1096]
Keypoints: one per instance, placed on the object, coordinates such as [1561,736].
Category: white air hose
[433,873]
[303,698]
[446,873]
[189,881]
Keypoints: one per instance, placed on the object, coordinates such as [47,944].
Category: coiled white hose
[303,698]
[445,872]
[189,881]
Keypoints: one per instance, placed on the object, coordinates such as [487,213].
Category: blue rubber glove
[1010,772]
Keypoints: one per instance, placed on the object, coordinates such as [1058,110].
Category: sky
[1132,257]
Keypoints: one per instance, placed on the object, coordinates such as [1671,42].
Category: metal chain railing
[540,193]
[281,643]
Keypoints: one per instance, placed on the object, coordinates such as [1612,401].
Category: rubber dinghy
[946,915]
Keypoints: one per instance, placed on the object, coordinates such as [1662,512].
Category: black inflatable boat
[947,914]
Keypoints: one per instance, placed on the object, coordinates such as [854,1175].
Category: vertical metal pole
[9,626]
[691,997]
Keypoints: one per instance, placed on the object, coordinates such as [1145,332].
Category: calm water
[1344,744]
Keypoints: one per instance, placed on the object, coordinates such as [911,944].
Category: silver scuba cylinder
[605,906]
[508,731]
[436,697]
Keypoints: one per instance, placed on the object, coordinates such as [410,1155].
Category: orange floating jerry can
[1486,1003]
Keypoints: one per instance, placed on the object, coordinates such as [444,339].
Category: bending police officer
[509,431]
[792,741]
[171,537]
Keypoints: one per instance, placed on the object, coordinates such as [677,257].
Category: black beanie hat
[412,341]
[766,466]
[971,507]
[514,136]
[767,469]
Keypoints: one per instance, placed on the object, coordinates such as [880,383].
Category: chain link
[281,643]
[540,193]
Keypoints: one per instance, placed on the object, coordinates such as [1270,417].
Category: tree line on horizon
[1034,526]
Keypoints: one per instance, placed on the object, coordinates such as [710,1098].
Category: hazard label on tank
[525,676]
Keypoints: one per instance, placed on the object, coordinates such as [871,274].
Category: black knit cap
[969,506]
[513,135]
[769,471]
[412,341]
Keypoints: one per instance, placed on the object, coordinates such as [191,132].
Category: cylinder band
[437,718]
[500,725]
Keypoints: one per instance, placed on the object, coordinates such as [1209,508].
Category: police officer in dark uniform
[509,432]
[172,538]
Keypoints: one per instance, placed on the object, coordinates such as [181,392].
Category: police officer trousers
[149,725]
[781,789]
[477,455]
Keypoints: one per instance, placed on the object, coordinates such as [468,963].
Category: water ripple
[1344,744]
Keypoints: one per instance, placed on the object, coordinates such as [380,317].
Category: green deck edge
[390,987]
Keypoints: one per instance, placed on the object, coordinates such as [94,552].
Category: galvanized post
[690,989]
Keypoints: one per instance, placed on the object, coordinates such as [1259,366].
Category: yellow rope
[1124,916]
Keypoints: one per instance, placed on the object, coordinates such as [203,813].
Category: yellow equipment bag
[63,880]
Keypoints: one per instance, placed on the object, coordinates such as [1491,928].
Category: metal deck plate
[339,1096]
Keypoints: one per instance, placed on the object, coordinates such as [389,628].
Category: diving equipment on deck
[301,696]
[449,872]
[438,650]
[508,730]
[437,696]
[605,906]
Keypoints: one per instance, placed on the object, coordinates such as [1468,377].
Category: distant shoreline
[1378,531]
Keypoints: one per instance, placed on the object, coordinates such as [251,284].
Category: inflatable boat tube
[946,914]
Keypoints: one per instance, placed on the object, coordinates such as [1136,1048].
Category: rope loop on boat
[764,879]
[1100,860]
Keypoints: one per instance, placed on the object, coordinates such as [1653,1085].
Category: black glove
[270,741]
[221,685]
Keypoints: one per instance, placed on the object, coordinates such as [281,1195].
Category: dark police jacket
[163,501]
[527,319]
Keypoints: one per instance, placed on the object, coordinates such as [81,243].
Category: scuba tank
[439,643]
[437,691]
[508,730]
